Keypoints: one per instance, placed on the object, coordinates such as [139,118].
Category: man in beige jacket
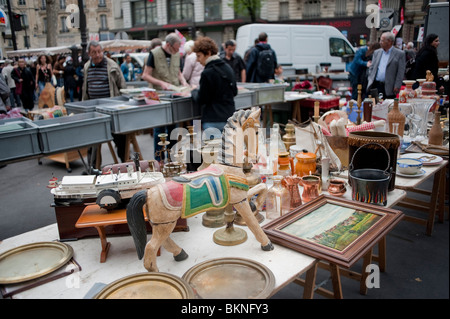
[102,79]
[102,75]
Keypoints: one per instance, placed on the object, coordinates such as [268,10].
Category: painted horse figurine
[217,186]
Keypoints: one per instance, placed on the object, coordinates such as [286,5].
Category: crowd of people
[211,71]
[383,66]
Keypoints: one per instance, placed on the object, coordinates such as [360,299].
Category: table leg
[362,284]
[433,202]
[310,282]
[441,196]
[336,281]
[382,254]
[105,244]
[113,152]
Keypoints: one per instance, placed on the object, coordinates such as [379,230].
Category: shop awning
[39,51]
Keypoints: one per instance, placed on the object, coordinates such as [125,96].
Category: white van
[299,46]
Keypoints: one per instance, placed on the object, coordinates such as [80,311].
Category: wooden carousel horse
[219,185]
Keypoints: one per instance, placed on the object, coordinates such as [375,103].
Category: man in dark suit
[388,67]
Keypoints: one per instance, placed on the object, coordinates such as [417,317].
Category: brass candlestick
[289,137]
[229,236]
[358,104]
[316,111]
[163,143]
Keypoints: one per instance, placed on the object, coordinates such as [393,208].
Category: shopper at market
[163,71]
[70,78]
[44,72]
[127,68]
[217,88]
[58,70]
[7,70]
[234,60]
[358,69]
[192,68]
[103,78]
[25,85]
[427,58]
[163,65]
[387,70]
[262,61]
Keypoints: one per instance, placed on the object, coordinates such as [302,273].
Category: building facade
[147,19]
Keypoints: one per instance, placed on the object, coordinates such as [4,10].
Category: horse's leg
[178,253]
[261,191]
[160,232]
[246,213]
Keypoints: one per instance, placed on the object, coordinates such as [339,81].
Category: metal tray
[147,286]
[32,261]
[231,278]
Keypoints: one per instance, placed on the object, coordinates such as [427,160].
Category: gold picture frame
[333,229]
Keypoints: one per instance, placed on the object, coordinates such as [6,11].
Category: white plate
[422,172]
[425,158]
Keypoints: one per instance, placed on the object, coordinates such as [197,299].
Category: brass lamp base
[214,218]
[229,236]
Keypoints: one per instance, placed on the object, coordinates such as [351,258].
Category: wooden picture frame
[333,229]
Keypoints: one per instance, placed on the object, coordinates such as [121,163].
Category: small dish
[421,173]
[409,166]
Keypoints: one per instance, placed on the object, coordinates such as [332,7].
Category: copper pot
[311,187]
[306,163]
[337,187]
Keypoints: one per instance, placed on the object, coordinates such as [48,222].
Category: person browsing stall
[102,79]
[163,65]
[387,70]
[217,88]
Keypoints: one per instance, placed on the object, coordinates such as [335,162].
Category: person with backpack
[262,61]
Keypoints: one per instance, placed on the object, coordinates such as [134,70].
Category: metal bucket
[373,155]
[370,185]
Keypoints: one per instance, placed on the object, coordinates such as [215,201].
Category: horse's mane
[233,123]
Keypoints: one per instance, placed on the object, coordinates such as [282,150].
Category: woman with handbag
[24,84]
[44,72]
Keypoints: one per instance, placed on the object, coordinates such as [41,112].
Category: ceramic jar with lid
[306,163]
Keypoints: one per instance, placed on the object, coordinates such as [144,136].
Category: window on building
[62,4]
[284,10]
[338,47]
[142,10]
[102,3]
[24,20]
[341,8]
[64,28]
[103,22]
[26,41]
[44,25]
[22,3]
[311,9]
[360,7]
[43,4]
[213,9]
[180,10]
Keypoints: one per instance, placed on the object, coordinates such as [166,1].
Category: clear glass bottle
[278,199]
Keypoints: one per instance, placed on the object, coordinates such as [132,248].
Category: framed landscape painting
[333,229]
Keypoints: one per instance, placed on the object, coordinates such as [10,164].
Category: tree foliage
[250,8]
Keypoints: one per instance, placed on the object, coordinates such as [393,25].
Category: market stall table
[285,263]
[336,271]
[437,194]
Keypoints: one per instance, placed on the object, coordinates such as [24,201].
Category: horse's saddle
[197,192]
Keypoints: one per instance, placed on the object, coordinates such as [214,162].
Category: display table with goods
[22,139]
[265,94]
